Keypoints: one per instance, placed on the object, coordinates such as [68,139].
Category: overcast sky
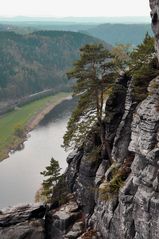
[64,8]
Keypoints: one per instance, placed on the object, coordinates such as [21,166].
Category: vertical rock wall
[133,212]
[154,5]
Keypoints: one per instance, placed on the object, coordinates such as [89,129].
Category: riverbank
[26,118]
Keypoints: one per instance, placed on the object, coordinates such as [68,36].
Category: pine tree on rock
[52,175]
[93,73]
[143,67]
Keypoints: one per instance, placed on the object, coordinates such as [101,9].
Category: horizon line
[33,16]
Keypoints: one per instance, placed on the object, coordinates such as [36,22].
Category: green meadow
[20,118]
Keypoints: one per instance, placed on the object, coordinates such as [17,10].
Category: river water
[20,173]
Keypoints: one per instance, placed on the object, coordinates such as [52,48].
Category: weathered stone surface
[27,230]
[27,222]
[75,231]
[62,221]
[14,215]
[101,172]
[114,108]
[85,171]
[71,156]
[154,5]
[145,124]
[73,168]
[133,213]
[23,222]
[123,133]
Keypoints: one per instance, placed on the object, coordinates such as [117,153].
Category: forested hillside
[110,32]
[121,33]
[38,61]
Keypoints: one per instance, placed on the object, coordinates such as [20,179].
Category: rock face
[39,222]
[23,222]
[132,212]
[64,222]
[87,167]
[154,5]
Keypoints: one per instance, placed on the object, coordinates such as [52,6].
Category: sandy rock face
[133,212]
[154,5]
[23,222]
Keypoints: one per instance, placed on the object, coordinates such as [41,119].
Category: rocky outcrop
[23,222]
[87,169]
[87,165]
[131,210]
[154,5]
[123,133]
[40,222]
[65,221]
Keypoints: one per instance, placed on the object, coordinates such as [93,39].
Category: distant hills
[120,33]
[67,20]
[37,61]
[34,56]
[110,32]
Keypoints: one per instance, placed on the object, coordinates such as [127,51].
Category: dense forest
[37,61]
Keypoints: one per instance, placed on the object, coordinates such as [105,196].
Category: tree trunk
[106,149]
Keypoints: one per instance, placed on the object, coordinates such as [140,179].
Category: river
[20,173]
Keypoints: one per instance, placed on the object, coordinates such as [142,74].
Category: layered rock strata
[133,213]
[40,222]
[23,222]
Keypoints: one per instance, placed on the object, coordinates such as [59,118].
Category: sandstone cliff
[129,210]
[154,5]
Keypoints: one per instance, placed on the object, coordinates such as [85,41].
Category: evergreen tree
[52,175]
[121,54]
[93,72]
[143,66]
[142,57]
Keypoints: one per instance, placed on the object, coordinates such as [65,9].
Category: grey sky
[63,8]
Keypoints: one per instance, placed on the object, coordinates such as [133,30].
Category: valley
[24,119]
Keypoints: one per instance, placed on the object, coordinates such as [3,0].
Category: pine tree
[52,175]
[93,72]
[121,54]
[142,57]
[143,66]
